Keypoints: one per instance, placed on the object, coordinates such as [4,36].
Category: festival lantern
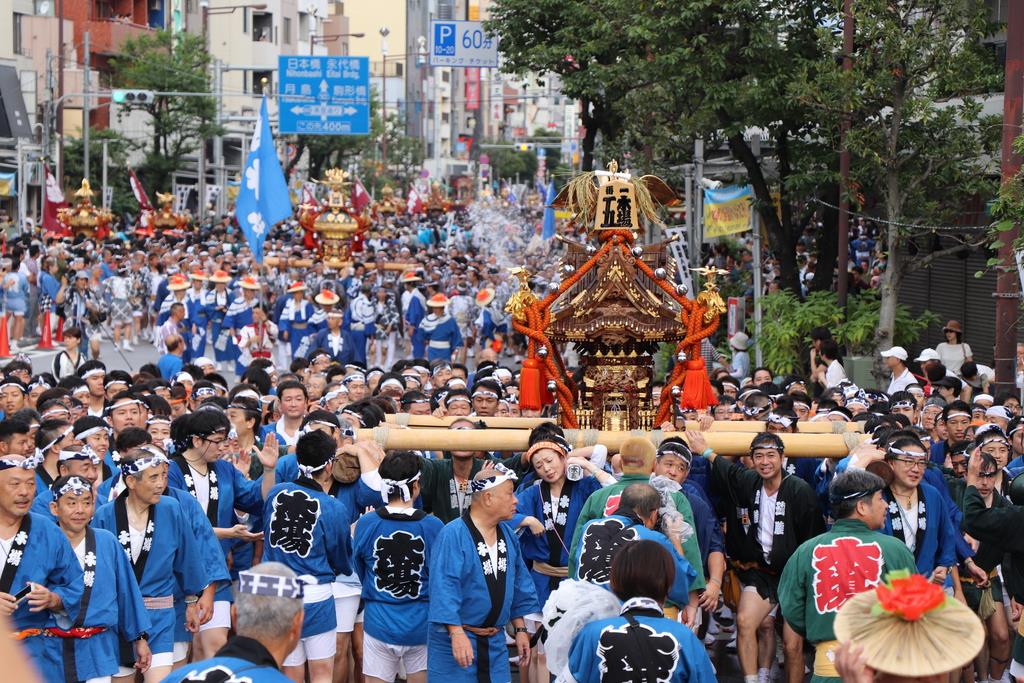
[85,218]
[336,223]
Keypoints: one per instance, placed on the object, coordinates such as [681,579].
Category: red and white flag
[308,197]
[54,202]
[145,208]
[360,197]
[414,204]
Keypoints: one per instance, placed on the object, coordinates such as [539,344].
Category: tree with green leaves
[654,75]
[921,146]
[166,62]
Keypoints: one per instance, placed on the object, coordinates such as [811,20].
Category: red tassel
[530,397]
[697,392]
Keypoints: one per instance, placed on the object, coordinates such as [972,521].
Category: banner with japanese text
[726,211]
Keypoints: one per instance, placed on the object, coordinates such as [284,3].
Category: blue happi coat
[936,537]
[460,593]
[295,321]
[242,659]
[592,561]
[195,304]
[392,553]
[606,647]
[359,323]
[356,496]
[212,557]
[173,563]
[234,492]
[437,336]
[339,347]
[551,547]
[239,315]
[111,599]
[215,309]
[47,559]
[307,530]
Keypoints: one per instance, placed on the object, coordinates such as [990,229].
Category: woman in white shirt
[834,372]
[953,352]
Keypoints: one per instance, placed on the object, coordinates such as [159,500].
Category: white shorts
[383,660]
[346,611]
[181,649]
[320,646]
[221,616]
[159,659]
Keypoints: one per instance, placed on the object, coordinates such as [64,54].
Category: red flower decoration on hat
[909,596]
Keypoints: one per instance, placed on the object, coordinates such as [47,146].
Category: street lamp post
[314,39]
[218,160]
[421,56]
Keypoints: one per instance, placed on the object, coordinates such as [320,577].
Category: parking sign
[462,44]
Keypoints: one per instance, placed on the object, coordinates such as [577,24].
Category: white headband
[387,485]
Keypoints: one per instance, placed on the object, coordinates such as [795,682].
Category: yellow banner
[726,211]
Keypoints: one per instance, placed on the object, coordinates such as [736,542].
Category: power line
[914,226]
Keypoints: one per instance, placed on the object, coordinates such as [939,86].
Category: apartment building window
[303,27]
[104,9]
[446,76]
[262,27]
[444,117]
[286,29]
[258,86]
[19,44]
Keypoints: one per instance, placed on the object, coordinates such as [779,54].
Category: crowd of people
[226,511]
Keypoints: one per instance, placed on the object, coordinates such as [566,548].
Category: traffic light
[524,147]
[129,97]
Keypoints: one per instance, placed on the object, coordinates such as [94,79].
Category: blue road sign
[324,95]
[462,44]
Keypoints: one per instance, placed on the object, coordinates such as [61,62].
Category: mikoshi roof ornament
[617,302]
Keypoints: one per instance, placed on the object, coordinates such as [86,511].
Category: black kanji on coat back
[399,567]
[292,522]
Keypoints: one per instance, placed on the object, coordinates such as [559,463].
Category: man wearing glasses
[916,511]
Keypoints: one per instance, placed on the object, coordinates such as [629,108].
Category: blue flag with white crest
[263,198]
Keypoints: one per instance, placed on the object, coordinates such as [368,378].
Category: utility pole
[104,177]
[85,107]
[60,93]
[1007,285]
[218,139]
[844,166]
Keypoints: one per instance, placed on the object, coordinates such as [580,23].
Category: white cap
[202,361]
[983,397]
[895,352]
[927,355]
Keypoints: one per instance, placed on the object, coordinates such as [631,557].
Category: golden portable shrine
[617,302]
[165,218]
[85,218]
[388,205]
[332,226]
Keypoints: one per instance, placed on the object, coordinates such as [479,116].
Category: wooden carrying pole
[406,420]
[724,443]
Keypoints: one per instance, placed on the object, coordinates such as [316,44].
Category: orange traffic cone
[60,330]
[45,340]
[5,348]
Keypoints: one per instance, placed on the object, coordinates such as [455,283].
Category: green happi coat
[595,509]
[827,570]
